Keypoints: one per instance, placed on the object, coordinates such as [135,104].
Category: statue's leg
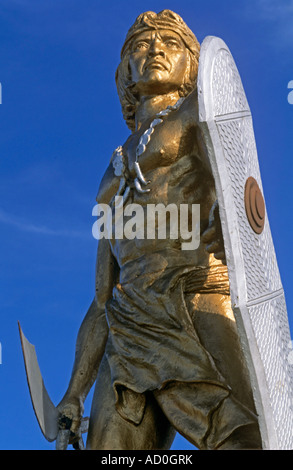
[109,431]
[209,417]
[214,322]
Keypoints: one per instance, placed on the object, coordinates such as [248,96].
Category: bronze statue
[160,338]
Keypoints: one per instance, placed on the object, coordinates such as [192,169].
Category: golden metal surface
[160,337]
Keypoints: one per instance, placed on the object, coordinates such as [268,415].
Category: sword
[53,427]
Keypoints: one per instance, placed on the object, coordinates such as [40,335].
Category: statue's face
[158,62]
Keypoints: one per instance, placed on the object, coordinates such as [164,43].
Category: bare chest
[163,148]
[159,147]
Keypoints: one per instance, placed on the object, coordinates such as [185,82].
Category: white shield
[256,290]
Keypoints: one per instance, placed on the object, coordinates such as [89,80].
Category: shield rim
[210,46]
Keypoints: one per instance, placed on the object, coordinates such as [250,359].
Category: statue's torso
[175,165]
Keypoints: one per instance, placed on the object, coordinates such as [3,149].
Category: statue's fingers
[221,256]
[75,425]
[209,234]
[214,247]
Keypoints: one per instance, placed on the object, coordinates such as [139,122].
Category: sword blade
[45,411]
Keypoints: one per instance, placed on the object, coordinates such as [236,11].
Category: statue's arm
[91,339]
[212,235]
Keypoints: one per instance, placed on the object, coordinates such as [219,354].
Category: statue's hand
[213,236]
[70,416]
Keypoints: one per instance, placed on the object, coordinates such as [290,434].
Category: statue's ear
[189,77]
[126,91]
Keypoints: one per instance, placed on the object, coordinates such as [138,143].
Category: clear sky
[60,120]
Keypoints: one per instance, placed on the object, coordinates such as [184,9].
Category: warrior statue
[170,339]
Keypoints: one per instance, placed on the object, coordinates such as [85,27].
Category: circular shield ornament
[254,205]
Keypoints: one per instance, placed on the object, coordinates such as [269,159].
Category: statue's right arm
[93,332]
[91,339]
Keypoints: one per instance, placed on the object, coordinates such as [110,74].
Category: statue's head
[166,27]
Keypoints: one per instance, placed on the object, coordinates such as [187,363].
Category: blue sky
[60,120]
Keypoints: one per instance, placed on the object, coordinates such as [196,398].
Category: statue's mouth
[155,64]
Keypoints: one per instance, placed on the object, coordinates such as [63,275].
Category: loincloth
[152,341]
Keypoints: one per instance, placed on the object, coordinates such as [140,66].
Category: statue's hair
[166,19]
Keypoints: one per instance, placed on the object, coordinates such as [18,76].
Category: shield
[257,294]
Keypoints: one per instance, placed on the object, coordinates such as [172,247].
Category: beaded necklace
[118,159]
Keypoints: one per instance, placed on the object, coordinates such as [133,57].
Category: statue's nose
[156,48]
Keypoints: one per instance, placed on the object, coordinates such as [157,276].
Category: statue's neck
[151,105]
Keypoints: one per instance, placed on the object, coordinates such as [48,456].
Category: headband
[166,19]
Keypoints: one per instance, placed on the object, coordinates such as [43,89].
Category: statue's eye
[141,45]
[172,43]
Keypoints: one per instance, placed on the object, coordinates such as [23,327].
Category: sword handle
[62,440]
[64,434]
[79,445]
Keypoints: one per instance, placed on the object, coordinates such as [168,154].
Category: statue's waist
[173,265]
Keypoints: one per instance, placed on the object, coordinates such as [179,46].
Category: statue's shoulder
[188,111]
[108,186]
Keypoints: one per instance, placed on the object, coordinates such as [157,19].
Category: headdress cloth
[166,19]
